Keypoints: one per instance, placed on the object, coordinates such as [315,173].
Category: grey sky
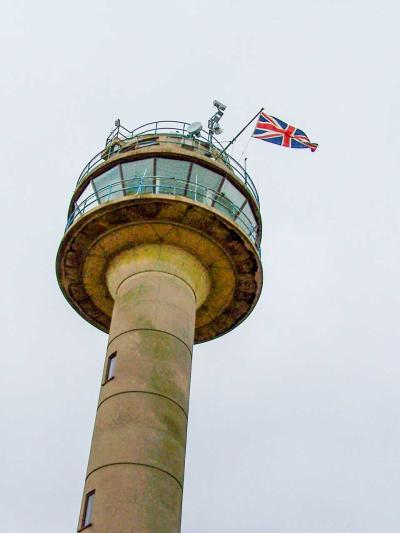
[294,416]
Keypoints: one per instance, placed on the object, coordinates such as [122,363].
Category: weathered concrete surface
[136,463]
[232,261]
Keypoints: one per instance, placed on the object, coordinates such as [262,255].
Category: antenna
[213,124]
[194,129]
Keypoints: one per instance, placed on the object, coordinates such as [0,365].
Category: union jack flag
[276,131]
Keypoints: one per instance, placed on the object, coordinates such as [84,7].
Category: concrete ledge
[225,251]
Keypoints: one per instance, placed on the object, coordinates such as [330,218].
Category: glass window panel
[175,173]
[205,177]
[172,168]
[248,220]
[233,193]
[244,224]
[133,185]
[87,192]
[147,185]
[87,200]
[112,360]
[138,169]
[225,205]
[191,190]
[108,185]
[84,203]
[88,510]
[147,142]
[198,192]
[134,172]
[171,186]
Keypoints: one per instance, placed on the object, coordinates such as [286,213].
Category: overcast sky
[294,416]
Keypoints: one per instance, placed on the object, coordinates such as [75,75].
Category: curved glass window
[247,219]
[203,185]
[172,168]
[134,171]
[163,175]
[108,185]
[206,177]
[229,191]
[85,198]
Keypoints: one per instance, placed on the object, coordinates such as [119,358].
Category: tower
[161,251]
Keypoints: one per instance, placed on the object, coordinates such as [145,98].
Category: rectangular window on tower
[110,368]
[88,510]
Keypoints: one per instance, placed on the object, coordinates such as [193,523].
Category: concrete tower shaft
[160,251]
[139,440]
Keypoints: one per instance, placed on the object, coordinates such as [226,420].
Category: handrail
[154,183]
[236,167]
[175,126]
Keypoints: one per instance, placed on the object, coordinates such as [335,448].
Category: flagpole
[240,133]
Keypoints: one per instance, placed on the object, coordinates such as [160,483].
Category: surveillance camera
[219,105]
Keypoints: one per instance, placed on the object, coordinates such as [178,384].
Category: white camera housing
[219,105]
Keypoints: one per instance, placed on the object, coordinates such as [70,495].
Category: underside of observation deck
[232,261]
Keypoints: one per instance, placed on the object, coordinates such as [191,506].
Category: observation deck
[158,183]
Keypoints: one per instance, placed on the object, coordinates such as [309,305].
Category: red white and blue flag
[274,130]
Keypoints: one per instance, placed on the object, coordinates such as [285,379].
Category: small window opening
[147,142]
[111,362]
[88,509]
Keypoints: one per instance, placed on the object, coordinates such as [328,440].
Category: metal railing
[166,185]
[178,135]
[159,126]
